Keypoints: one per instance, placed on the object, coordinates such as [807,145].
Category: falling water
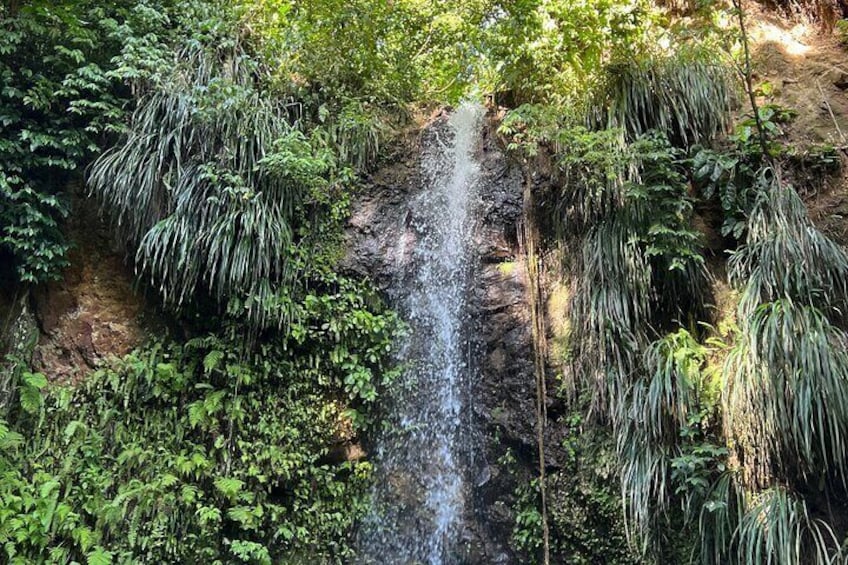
[421,492]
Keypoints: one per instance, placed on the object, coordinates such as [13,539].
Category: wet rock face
[92,313]
[504,396]
[380,241]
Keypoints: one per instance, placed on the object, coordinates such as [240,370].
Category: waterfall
[421,492]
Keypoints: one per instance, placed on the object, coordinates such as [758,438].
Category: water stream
[421,491]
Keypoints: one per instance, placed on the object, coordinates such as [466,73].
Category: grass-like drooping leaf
[786,395]
[770,526]
[685,93]
[718,519]
[640,262]
[207,183]
[785,256]
[611,310]
[777,528]
[357,131]
[664,400]
[786,391]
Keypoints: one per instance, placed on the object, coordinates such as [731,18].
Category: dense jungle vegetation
[223,142]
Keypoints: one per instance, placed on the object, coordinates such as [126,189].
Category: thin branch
[830,111]
[749,86]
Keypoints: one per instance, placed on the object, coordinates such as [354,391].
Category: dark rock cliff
[380,238]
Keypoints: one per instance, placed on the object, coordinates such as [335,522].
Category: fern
[229,486]
[99,557]
[30,391]
[212,360]
[250,552]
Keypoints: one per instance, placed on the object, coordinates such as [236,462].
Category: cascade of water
[421,492]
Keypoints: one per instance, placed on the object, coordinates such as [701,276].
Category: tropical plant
[548,51]
[203,450]
[356,132]
[208,182]
[786,398]
[640,259]
[664,430]
[57,98]
[686,93]
[610,312]
[786,257]
[778,528]
[717,521]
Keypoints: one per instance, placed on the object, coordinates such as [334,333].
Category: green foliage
[41,138]
[818,160]
[772,116]
[585,510]
[208,182]
[202,451]
[721,512]
[666,438]
[30,230]
[346,48]
[786,397]
[735,175]
[546,51]
[640,187]
[236,130]
[527,531]
[61,66]
[686,93]
[785,256]
[414,50]
[779,529]
[356,131]
[29,391]
[623,192]
[660,192]
[730,178]
[786,380]
[382,54]
[640,260]
[592,166]
[841,31]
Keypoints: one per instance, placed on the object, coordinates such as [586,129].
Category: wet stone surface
[381,242]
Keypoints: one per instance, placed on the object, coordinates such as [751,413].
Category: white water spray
[421,490]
